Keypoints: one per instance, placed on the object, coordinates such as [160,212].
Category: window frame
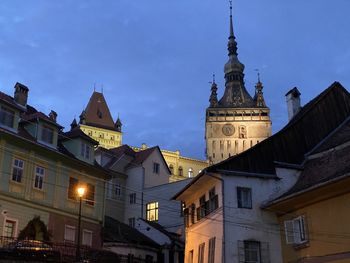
[201,252]
[85,150]
[17,177]
[156,167]
[4,118]
[211,250]
[85,232]
[132,198]
[72,228]
[15,228]
[150,210]
[256,250]
[39,178]
[47,134]
[296,231]
[90,194]
[240,192]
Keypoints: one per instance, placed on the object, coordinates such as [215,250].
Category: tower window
[190,172]
[180,171]
[171,168]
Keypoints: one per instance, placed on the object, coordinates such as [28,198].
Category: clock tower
[237,121]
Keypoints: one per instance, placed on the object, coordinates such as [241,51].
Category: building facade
[41,168]
[237,121]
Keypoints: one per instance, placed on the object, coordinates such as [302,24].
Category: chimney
[53,116]
[293,102]
[21,94]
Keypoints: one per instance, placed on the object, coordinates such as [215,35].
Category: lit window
[9,228]
[17,170]
[47,134]
[85,150]
[39,177]
[190,172]
[132,198]
[87,238]
[152,211]
[244,197]
[69,233]
[296,230]
[7,117]
[156,168]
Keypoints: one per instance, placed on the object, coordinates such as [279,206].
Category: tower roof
[97,113]
[235,95]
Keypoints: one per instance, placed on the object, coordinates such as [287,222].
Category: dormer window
[7,117]
[47,135]
[85,150]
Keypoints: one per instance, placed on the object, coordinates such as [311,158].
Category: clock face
[228,129]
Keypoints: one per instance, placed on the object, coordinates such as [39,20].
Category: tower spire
[232,44]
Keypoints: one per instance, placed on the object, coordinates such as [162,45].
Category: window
[17,170]
[132,198]
[213,200]
[202,209]
[296,230]
[7,117]
[180,171]
[73,184]
[193,209]
[156,168]
[201,253]
[9,228]
[187,218]
[118,190]
[87,238]
[242,132]
[69,233]
[132,221]
[182,208]
[39,177]
[190,172]
[171,168]
[211,252]
[85,150]
[47,134]
[251,252]
[244,197]
[152,211]
[90,194]
[190,257]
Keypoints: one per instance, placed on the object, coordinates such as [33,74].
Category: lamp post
[80,192]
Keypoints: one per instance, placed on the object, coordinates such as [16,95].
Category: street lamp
[80,192]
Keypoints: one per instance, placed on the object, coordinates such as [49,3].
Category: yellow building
[96,121]
[181,167]
[314,214]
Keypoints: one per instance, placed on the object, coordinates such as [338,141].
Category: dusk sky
[155,58]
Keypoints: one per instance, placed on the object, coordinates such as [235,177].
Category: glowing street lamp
[81,193]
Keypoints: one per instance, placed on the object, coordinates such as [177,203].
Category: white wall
[151,178]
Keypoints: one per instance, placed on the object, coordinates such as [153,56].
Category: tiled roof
[172,236]
[311,125]
[97,112]
[38,115]
[325,164]
[118,232]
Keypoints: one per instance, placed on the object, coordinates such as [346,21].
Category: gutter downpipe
[223,215]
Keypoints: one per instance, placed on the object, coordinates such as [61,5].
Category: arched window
[180,171]
[171,168]
[190,172]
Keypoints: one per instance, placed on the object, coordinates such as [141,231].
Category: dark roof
[325,164]
[97,112]
[311,125]
[77,133]
[118,232]
[172,236]
[39,115]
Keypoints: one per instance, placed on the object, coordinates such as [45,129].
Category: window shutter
[241,256]
[198,213]
[289,231]
[296,230]
[305,228]
[265,252]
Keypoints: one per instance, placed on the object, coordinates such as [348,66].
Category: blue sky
[155,58]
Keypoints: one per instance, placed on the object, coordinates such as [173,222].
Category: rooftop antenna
[94,86]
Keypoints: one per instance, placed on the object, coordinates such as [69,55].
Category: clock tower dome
[237,121]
